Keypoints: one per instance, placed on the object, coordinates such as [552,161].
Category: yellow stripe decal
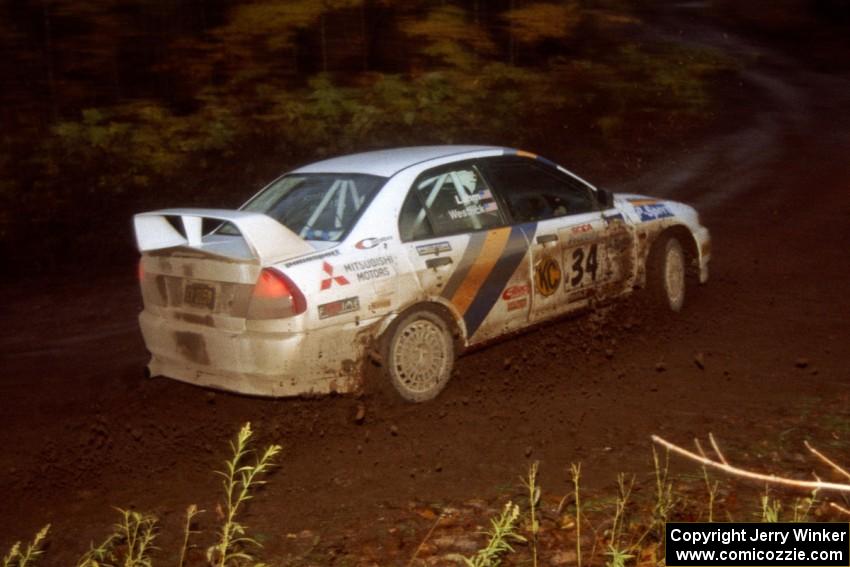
[491,251]
[524,153]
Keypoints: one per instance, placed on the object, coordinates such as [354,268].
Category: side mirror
[605,198]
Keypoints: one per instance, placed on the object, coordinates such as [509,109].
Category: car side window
[534,191]
[448,200]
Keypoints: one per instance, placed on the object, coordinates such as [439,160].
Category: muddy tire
[666,271]
[418,355]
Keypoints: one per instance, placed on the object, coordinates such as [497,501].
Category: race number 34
[584,264]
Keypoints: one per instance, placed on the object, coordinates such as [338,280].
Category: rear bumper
[255,363]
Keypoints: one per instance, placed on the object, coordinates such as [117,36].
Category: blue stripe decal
[473,248]
[518,245]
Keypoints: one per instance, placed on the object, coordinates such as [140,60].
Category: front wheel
[418,353]
[665,275]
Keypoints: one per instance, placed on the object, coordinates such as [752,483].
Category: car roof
[387,163]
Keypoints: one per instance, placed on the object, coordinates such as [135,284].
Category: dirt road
[82,431]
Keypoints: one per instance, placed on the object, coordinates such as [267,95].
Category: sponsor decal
[472,198]
[547,276]
[516,291]
[331,279]
[489,261]
[299,261]
[368,243]
[653,212]
[579,295]
[582,228]
[434,248]
[517,304]
[382,303]
[472,210]
[339,307]
[371,269]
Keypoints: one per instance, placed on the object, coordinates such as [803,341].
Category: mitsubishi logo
[328,281]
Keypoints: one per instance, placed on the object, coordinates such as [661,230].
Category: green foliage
[188,532]
[770,507]
[23,557]
[449,37]
[129,544]
[665,500]
[803,507]
[240,480]
[460,91]
[618,552]
[248,95]
[533,489]
[711,489]
[536,22]
[502,533]
[575,477]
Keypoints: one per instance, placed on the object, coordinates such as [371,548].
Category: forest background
[111,107]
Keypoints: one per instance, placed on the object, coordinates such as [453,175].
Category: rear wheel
[666,273]
[418,354]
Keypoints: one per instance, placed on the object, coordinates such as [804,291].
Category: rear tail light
[152,285]
[275,297]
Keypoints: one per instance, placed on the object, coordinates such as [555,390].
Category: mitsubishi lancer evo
[404,256]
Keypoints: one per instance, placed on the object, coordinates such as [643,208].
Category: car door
[568,254]
[463,251]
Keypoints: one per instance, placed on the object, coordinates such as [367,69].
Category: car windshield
[317,206]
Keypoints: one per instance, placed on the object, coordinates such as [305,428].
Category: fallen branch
[723,465]
[826,460]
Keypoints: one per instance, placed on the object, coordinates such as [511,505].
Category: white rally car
[405,256]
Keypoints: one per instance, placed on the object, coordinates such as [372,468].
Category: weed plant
[131,542]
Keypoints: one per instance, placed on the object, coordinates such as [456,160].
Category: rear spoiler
[267,239]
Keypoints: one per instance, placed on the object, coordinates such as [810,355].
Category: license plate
[199,295]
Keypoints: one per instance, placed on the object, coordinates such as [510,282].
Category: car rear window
[317,206]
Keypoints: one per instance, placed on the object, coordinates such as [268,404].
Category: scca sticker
[547,277]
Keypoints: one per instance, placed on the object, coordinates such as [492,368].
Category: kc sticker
[331,279]
[547,277]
